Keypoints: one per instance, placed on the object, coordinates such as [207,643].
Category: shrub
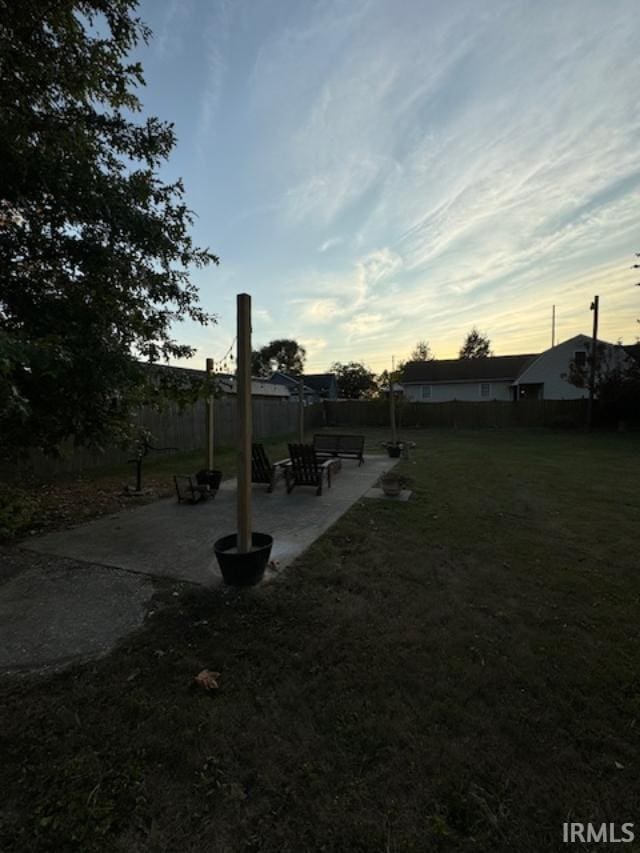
[18,511]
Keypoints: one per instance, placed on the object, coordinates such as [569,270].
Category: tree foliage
[422,352]
[354,380]
[95,249]
[476,345]
[284,355]
[384,379]
[616,378]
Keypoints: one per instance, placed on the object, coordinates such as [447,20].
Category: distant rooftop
[493,368]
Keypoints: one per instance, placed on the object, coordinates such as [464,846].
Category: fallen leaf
[207,679]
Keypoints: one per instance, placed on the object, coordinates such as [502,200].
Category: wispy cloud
[216,34]
[472,162]
[331,243]
[262,315]
[173,31]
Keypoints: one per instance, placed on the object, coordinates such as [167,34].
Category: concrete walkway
[176,540]
[84,589]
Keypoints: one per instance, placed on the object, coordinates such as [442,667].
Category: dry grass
[455,673]
[36,506]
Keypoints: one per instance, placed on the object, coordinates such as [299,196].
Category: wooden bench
[329,445]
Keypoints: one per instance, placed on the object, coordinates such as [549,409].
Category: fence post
[301,410]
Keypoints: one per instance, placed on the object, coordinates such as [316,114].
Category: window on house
[580,358]
[426,392]
[485,389]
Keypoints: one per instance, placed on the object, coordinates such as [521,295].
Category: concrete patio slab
[378,494]
[176,540]
[61,611]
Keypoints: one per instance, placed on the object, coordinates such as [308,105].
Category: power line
[227,353]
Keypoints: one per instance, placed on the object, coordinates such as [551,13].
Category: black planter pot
[210,478]
[391,486]
[394,450]
[243,569]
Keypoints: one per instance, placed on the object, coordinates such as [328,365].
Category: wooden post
[592,374]
[243,395]
[210,419]
[392,403]
[301,410]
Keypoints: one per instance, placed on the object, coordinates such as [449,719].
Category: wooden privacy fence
[185,430]
[458,414]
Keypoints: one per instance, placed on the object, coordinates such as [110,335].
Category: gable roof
[225,382]
[315,383]
[283,379]
[493,368]
[319,381]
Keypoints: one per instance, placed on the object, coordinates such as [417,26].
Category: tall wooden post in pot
[210,418]
[245,424]
[392,404]
[243,556]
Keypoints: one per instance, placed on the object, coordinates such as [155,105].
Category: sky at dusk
[375,172]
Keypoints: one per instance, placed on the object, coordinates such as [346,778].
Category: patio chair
[262,470]
[306,469]
[188,489]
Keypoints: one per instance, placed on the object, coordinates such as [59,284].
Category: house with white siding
[541,376]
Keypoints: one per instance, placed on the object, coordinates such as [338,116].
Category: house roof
[493,368]
[226,382]
[313,382]
[283,379]
[319,381]
[259,387]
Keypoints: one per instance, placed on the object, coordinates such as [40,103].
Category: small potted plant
[393,483]
[393,448]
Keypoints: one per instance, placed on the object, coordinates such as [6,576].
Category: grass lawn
[460,672]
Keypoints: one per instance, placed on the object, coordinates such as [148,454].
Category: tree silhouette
[95,248]
[354,380]
[422,352]
[284,355]
[476,345]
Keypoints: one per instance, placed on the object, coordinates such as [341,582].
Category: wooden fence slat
[461,414]
[185,430]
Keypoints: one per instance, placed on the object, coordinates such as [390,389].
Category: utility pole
[592,375]
[553,326]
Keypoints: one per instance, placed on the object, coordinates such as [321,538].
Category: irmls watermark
[603,833]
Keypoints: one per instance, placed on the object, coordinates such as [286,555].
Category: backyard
[457,672]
